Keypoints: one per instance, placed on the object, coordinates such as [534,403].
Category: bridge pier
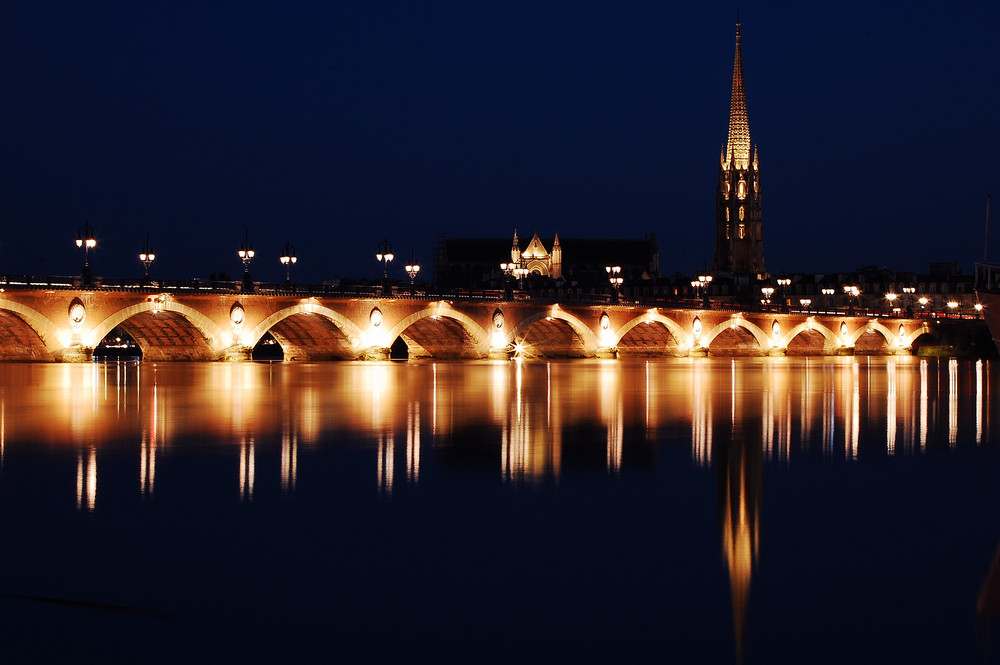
[777,351]
[77,354]
[238,353]
[608,353]
[376,353]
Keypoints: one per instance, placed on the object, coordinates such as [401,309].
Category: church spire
[738,147]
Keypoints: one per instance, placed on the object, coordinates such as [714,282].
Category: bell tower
[739,237]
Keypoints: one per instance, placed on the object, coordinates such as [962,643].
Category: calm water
[789,510]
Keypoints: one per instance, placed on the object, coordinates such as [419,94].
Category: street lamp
[908,292]
[696,284]
[246,255]
[805,303]
[616,279]
[146,257]
[520,273]
[85,239]
[384,255]
[852,292]
[784,282]
[288,259]
[412,268]
[767,291]
[507,269]
[829,296]
[891,297]
[706,281]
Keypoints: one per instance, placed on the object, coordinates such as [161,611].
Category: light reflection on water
[798,406]
[243,428]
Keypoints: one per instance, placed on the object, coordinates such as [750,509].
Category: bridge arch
[809,328]
[680,337]
[734,323]
[197,336]
[534,345]
[38,338]
[859,336]
[439,339]
[290,328]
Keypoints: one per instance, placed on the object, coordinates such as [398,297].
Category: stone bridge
[66,325]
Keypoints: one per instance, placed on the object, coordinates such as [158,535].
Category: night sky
[333,125]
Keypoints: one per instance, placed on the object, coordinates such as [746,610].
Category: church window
[741,189]
[742,231]
[727,214]
[741,213]
[727,231]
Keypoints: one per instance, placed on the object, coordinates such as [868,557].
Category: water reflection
[86,479]
[739,473]
[535,423]
[248,470]
[795,406]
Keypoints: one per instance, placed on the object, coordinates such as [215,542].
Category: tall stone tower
[739,238]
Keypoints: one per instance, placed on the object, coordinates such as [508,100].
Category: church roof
[738,147]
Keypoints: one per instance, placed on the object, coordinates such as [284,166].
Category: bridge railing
[987,276]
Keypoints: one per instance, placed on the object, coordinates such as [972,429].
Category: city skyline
[333,128]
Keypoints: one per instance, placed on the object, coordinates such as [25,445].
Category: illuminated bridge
[66,324]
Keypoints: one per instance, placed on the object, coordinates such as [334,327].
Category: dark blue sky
[332,125]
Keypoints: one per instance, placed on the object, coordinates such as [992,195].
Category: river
[758,510]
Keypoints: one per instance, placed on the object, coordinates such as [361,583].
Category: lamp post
[412,268]
[891,297]
[246,255]
[288,259]
[520,273]
[507,269]
[706,281]
[616,279]
[908,292]
[384,255]
[805,303]
[852,293]
[85,239]
[146,257]
[767,291]
[784,282]
[829,297]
